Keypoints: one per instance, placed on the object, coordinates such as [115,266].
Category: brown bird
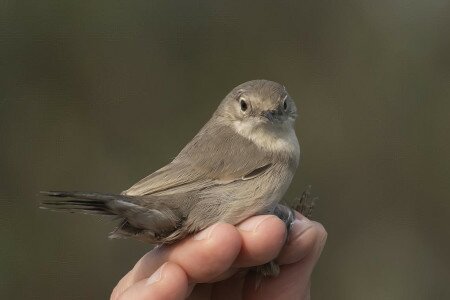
[238,165]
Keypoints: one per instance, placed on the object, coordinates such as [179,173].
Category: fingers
[306,236]
[289,284]
[220,250]
[168,282]
[297,260]
[209,255]
[262,239]
[203,257]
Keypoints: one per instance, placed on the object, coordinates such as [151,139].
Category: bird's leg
[305,206]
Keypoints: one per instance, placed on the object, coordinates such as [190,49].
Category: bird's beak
[270,115]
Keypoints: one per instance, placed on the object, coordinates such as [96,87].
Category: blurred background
[94,95]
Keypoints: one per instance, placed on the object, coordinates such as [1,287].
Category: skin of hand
[213,263]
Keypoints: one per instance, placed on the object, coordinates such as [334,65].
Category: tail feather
[144,218]
[89,203]
[83,195]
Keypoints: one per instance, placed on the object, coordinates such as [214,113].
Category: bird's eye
[285,104]
[244,105]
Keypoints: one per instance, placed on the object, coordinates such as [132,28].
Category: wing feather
[216,155]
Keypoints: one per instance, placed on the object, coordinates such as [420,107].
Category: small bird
[238,165]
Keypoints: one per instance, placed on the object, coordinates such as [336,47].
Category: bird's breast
[278,141]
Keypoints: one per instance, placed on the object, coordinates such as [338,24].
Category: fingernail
[298,227]
[157,276]
[205,234]
[252,224]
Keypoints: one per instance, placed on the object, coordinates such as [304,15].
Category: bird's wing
[216,155]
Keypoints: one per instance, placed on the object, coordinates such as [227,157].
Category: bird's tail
[83,202]
[146,218]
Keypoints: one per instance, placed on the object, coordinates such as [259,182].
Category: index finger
[203,256]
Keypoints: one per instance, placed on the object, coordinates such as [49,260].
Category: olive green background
[94,95]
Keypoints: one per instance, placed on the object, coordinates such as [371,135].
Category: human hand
[212,264]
